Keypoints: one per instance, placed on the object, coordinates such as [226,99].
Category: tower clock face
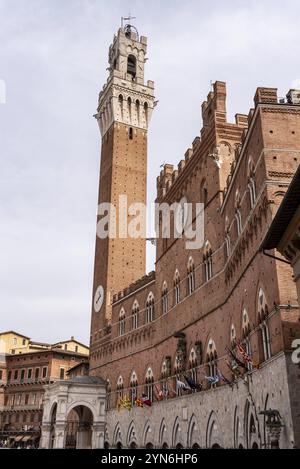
[98,299]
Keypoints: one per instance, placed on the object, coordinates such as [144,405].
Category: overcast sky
[53,59]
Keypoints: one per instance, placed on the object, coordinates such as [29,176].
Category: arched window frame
[135,316]
[238,214]
[212,361]
[176,288]
[191,277]
[164,299]
[133,387]
[252,192]
[251,183]
[150,308]
[122,322]
[120,387]
[131,66]
[149,387]
[247,336]
[208,262]
[263,314]
[193,364]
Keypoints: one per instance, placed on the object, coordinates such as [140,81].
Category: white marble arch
[84,394]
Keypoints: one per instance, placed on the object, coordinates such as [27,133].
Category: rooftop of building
[214,110]
[14,333]
[52,351]
[87,380]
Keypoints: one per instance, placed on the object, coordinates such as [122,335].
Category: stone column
[60,434]
[98,436]
[46,434]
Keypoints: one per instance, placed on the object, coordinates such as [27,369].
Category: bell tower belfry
[124,111]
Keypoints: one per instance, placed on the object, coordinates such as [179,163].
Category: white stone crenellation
[125,98]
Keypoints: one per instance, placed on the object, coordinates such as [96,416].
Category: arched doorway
[79,429]
[165,446]
[149,446]
[133,445]
[179,446]
[216,446]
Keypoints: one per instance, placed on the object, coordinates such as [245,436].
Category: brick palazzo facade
[178,320]
[22,386]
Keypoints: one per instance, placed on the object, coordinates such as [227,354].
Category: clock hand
[97,301]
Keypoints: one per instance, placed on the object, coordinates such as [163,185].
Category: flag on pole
[235,358]
[146,401]
[245,356]
[183,386]
[139,402]
[233,366]
[124,403]
[213,379]
[171,391]
[193,384]
[158,393]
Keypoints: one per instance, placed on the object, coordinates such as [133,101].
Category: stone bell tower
[125,107]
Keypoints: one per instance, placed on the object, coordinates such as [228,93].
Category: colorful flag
[213,379]
[235,358]
[233,366]
[139,402]
[146,401]
[183,386]
[193,384]
[124,403]
[159,394]
[247,359]
[171,391]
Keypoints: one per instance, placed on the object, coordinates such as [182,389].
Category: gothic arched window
[263,314]
[149,384]
[208,263]
[135,315]
[176,288]
[131,66]
[251,183]
[212,360]
[238,214]
[150,308]
[246,329]
[133,387]
[191,278]
[120,387]
[193,365]
[164,298]
[122,322]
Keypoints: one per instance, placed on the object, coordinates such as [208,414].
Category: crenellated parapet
[132,288]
